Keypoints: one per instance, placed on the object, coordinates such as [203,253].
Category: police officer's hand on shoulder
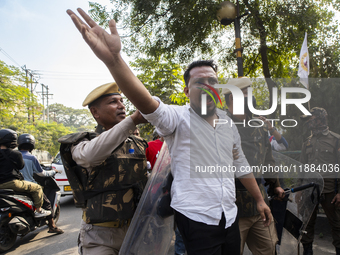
[138,118]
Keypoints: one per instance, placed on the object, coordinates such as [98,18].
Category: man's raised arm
[107,48]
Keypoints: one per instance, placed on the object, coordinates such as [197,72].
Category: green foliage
[186,29]
[20,111]
[183,30]
[71,117]
[16,102]
[272,35]
[46,134]
[163,78]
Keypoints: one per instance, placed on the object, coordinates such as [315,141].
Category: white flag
[304,63]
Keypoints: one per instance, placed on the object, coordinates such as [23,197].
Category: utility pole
[43,96]
[26,81]
[29,79]
[31,98]
[48,111]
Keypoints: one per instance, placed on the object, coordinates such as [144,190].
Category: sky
[40,35]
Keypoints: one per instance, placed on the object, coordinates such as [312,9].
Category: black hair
[198,63]
[95,103]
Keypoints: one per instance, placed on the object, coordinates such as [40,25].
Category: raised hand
[106,46]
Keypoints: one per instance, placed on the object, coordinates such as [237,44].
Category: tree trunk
[263,50]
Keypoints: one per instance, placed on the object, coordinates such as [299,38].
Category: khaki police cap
[102,91]
[315,111]
[241,83]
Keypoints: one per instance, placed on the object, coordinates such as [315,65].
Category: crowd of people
[216,213]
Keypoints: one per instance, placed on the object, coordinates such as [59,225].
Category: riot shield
[149,233]
[291,216]
[300,204]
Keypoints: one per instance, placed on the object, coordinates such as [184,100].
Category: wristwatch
[272,131]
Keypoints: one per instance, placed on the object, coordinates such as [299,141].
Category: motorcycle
[17,212]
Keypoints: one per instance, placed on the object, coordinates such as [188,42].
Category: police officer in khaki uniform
[321,150]
[257,149]
[107,171]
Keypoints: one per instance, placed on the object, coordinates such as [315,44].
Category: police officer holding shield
[321,151]
[257,149]
[107,171]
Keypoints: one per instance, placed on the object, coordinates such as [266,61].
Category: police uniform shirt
[320,152]
[200,199]
[89,154]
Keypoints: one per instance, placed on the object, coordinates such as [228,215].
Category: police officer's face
[198,77]
[110,111]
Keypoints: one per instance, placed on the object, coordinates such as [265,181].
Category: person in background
[11,162]
[154,148]
[26,144]
[277,141]
[322,148]
[257,149]
[136,132]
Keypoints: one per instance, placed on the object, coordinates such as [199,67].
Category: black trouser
[202,239]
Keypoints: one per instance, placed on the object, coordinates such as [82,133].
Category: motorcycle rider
[11,161]
[26,143]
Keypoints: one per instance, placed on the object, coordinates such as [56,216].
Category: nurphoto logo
[238,102]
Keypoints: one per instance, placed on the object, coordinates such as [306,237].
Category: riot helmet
[26,142]
[8,138]
[317,122]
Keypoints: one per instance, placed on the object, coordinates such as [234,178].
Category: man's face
[109,111]
[199,76]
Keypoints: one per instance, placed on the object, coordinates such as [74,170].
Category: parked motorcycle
[17,212]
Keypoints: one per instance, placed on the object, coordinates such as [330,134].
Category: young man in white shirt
[204,201]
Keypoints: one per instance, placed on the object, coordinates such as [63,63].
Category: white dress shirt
[195,145]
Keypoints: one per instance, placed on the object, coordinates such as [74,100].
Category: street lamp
[227,14]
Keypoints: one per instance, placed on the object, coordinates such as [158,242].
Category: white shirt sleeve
[277,146]
[164,118]
[92,153]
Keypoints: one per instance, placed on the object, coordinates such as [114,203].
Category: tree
[71,117]
[45,134]
[16,102]
[273,30]
[163,78]
[188,29]
[272,36]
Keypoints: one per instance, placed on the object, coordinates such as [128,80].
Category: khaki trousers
[29,187]
[97,240]
[260,240]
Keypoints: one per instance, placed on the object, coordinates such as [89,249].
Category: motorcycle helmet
[8,137]
[26,142]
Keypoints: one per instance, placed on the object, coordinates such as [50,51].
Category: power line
[7,55]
